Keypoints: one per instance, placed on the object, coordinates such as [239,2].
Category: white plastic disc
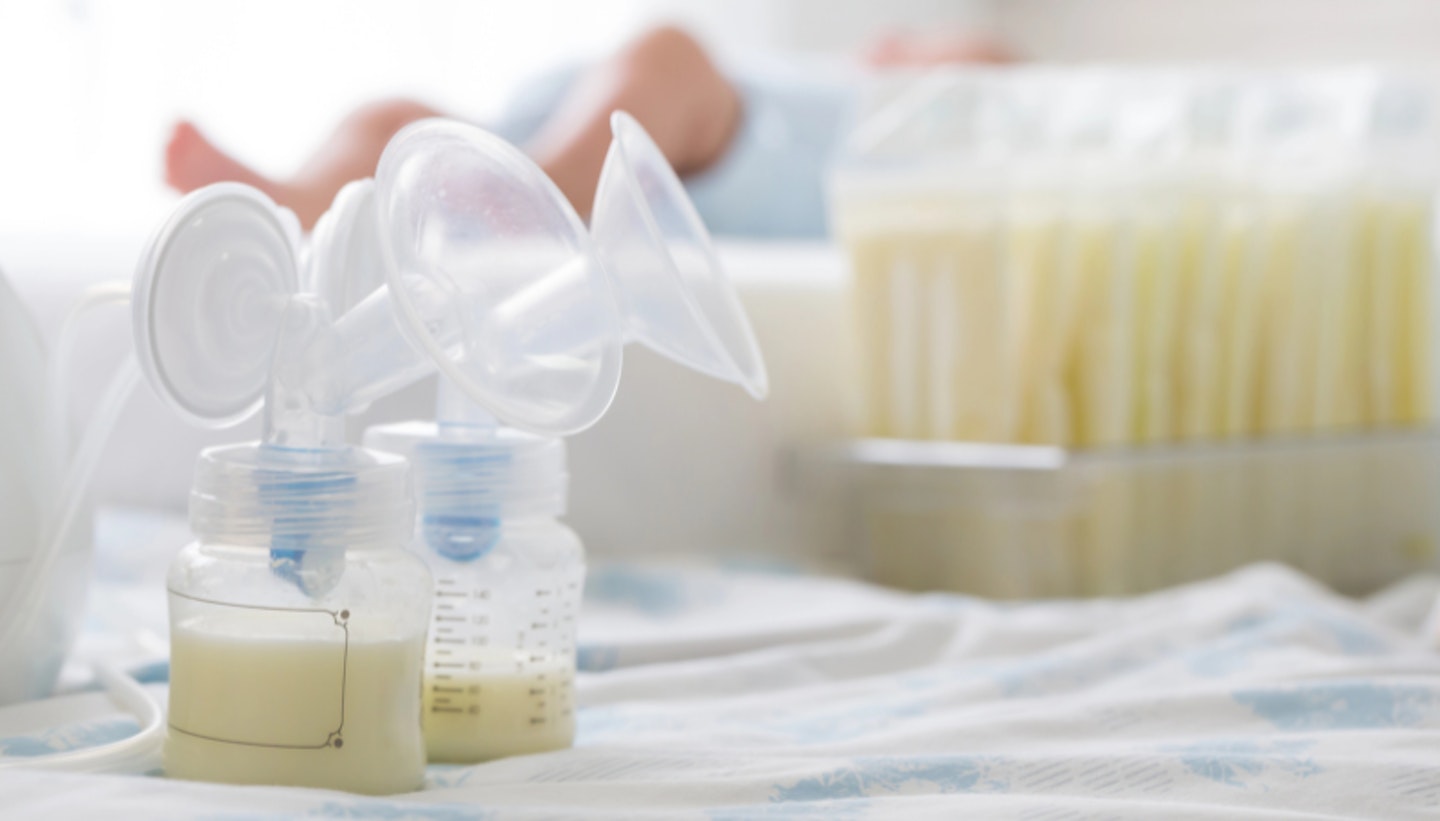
[345,258]
[208,298]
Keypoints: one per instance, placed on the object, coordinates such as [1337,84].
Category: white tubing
[92,446]
[136,754]
[18,612]
[58,393]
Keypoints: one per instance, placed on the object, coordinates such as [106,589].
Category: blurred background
[92,88]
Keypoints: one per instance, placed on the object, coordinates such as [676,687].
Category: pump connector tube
[291,418]
[134,755]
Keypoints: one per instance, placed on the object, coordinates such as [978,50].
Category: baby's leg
[664,79]
[192,161]
[668,83]
[350,153]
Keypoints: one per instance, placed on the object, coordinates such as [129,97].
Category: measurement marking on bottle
[449,641]
[438,709]
[450,665]
[451,594]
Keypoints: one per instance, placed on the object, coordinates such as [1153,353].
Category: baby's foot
[192,162]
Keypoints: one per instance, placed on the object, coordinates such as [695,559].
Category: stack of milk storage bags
[1187,312]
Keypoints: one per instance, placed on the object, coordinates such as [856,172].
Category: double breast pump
[310,645]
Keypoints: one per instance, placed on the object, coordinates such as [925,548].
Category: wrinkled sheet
[723,690]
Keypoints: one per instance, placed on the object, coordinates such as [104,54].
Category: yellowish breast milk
[494,703]
[317,712]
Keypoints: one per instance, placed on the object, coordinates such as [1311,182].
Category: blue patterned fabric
[731,692]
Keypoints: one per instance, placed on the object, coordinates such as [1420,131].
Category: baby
[752,150]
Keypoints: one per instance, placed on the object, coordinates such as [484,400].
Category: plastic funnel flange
[208,297]
[674,296]
[493,275]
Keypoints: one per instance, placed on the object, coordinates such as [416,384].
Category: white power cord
[139,753]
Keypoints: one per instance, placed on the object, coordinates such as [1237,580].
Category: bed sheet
[746,690]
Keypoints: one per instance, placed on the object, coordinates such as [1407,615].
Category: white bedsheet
[737,692]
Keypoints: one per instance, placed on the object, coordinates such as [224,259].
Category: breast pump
[298,627]
[298,621]
[500,664]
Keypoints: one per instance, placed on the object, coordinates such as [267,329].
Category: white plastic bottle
[297,623]
[501,658]
[500,661]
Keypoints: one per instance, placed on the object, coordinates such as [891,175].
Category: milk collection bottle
[323,635]
[297,664]
[297,616]
[1107,257]
[500,662]
[500,665]
[1188,310]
